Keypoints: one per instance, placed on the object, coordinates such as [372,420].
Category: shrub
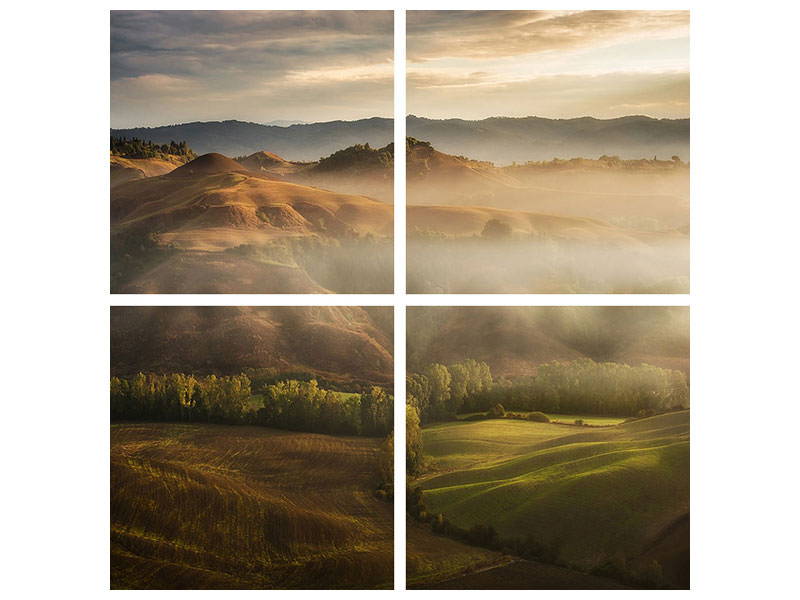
[478,417]
[496,411]
[539,417]
[650,574]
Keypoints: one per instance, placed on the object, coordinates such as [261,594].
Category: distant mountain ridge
[501,140]
[504,140]
[302,142]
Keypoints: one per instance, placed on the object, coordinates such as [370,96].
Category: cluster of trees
[584,386]
[581,386]
[304,406]
[439,392]
[263,377]
[136,148]
[180,397]
[359,157]
[289,404]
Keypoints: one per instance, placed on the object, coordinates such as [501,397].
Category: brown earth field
[229,507]
[337,343]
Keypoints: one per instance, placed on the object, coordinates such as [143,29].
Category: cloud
[555,96]
[473,64]
[238,57]
[494,34]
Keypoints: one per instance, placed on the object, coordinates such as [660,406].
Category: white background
[54,200]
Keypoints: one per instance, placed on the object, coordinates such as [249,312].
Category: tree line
[136,148]
[581,386]
[288,404]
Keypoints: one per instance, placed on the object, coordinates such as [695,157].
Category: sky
[262,66]
[556,64]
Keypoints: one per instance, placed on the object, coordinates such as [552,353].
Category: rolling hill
[128,169]
[582,225]
[642,195]
[505,139]
[616,493]
[434,562]
[224,507]
[516,340]
[337,343]
[212,225]
[358,169]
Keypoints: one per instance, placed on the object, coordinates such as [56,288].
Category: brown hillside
[208,164]
[267,162]
[204,208]
[220,273]
[338,343]
[127,169]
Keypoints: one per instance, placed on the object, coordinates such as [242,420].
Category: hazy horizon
[292,122]
[171,67]
[551,64]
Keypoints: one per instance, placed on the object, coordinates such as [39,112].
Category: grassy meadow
[232,507]
[617,494]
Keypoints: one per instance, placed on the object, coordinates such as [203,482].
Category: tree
[439,379]
[418,391]
[459,381]
[495,229]
[413,441]
[386,464]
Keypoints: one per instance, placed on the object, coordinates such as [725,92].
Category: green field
[230,507]
[601,493]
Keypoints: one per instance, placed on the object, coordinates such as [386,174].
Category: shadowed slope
[338,343]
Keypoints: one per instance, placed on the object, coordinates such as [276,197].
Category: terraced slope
[212,506]
[598,492]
